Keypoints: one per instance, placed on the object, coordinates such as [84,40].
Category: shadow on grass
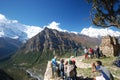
[81,78]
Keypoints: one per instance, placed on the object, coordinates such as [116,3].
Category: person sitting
[105,73]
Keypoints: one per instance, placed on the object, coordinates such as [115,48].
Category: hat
[73,61]
[69,62]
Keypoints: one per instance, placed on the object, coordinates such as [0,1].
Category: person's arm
[93,67]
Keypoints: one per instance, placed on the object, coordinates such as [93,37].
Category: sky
[72,15]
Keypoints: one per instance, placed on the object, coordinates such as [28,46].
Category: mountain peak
[50,39]
[47,29]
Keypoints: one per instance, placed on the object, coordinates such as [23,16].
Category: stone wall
[110,46]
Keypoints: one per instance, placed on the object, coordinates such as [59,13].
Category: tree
[105,13]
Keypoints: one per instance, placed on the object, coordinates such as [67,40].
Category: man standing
[97,52]
[86,53]
[75,50]
[54,67]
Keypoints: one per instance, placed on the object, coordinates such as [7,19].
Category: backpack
[70,71]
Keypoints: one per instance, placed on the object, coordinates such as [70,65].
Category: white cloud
[4,20]
[2,17]
[55,25]
[14,29]
[32,30]
[95,32]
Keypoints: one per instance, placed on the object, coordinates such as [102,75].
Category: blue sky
[73,15]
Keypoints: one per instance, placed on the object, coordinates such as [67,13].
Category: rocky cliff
[110,46]
[50,39]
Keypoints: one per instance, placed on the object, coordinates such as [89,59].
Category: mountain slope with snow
[15,30]
[94,32]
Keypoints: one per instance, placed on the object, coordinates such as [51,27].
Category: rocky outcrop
[48,74]
[110,46]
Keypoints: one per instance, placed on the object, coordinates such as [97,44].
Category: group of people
[66,70]
[89,52]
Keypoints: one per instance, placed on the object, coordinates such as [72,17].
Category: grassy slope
[37,61]
[107,62]
[16,66]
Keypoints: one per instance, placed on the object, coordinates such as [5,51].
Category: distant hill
[8,46]
[4,76]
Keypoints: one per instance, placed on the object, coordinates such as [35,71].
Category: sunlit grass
[107,62]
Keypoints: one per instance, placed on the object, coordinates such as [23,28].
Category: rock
[110,46]
[80,64]
[48,74]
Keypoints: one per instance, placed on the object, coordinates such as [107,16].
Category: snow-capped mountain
[95,32]
[15,30]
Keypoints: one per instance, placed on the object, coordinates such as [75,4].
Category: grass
[16,66]
[107,62]
[69,54]
[38,61]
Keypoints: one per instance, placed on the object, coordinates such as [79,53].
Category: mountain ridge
[15,30]
[53,39]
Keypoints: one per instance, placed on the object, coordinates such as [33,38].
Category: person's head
[55,57]
[69,62]
[62,60]
[66,62]
[73,61]
[85,47]
[98,63]
[97,46]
